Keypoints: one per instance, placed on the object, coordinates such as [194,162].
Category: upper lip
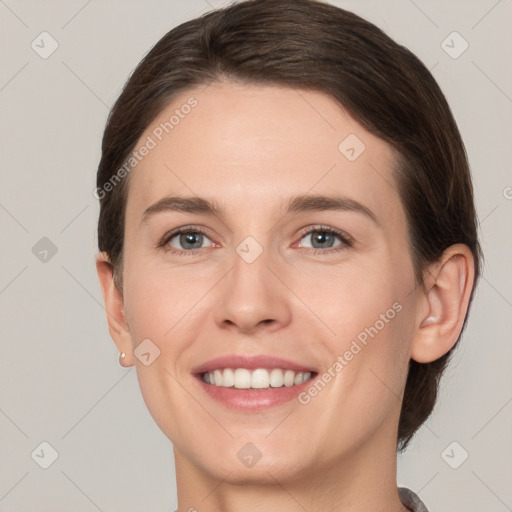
[251,363]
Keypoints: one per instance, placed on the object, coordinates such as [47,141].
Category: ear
[444,304]
[114,306]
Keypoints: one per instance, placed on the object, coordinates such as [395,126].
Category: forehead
[253,146]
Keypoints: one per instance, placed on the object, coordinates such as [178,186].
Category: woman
[288,253]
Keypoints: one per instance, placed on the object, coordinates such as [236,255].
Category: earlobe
[445,302]
[114,306]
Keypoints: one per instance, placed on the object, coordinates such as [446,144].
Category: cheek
[158,300]
[370,313]
[350,299]
[160,306]
[373,354]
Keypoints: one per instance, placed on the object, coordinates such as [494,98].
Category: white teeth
[242,378]
[228,378]
[276,378]
[289,378]
[261,378]
[217,378]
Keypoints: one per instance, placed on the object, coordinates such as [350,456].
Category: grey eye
[321,238]
[189,240]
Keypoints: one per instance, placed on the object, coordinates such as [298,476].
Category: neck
[363,480]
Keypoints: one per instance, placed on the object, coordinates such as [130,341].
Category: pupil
[322,236]
[191,239]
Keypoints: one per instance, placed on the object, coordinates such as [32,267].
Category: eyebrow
[297,204]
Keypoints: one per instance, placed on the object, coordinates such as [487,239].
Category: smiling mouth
[259,378]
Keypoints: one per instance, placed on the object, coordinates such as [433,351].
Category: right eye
[185,240]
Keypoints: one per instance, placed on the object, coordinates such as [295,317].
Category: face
[292,264]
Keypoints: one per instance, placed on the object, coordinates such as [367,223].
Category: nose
[253,296]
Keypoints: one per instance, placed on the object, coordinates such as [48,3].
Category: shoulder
[411,500]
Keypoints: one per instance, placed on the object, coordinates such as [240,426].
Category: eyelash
[346,240]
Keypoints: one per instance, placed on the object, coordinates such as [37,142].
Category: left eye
[187,240]
[323,239]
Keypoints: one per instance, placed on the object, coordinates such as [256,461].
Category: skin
[250,148]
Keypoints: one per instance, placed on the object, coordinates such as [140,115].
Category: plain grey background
[60,380]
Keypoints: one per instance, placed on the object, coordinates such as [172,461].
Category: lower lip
[253,399]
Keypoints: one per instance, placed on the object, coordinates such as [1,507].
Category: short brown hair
[309,44]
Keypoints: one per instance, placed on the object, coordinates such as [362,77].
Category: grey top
[409,499]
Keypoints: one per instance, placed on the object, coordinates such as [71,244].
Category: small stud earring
[122,355]
[428,321]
